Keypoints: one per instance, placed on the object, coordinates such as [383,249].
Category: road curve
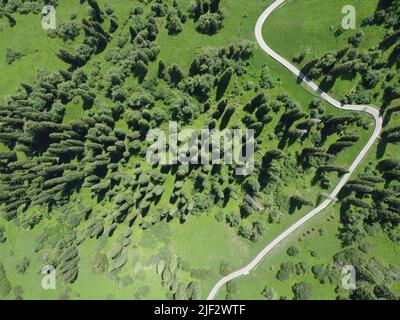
[363,108]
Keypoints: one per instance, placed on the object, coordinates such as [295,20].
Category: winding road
[363,108]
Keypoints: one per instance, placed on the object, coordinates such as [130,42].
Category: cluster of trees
[269,293]
[86,139]
[276,165]
[118,262]
[302,291]
[208,16]
[231,290]
[96,38]
[371,200]
[386,14]
[93,136]
[266,81]
[99,263]
[67,266]
[8,8]
[389,111]
[68,31]
[170,271]
[95,229]
[208,70]
[42,135]
[287,269]
[357,38]
[175,20]
[391,135]
[293,251]
[313,157]
[297,202]
[342,143]
[23,265]
[210,23]
[326,274]
[373,277]
[12,56]
[61,242]
[346,63]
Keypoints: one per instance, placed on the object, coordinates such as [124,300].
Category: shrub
[210,23]
[99,263]
[371,78]
[302,291]
[325,273]
[299,58]
[251,185]
[175,74]
[357,38]
[174,24]
[68,31]
[293,251]
[5,286]
[12,56]
[224,268]
[23,265]
[285,271]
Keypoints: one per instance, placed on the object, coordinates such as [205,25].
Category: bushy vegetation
[302,291]
[5,286]
[2,235]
